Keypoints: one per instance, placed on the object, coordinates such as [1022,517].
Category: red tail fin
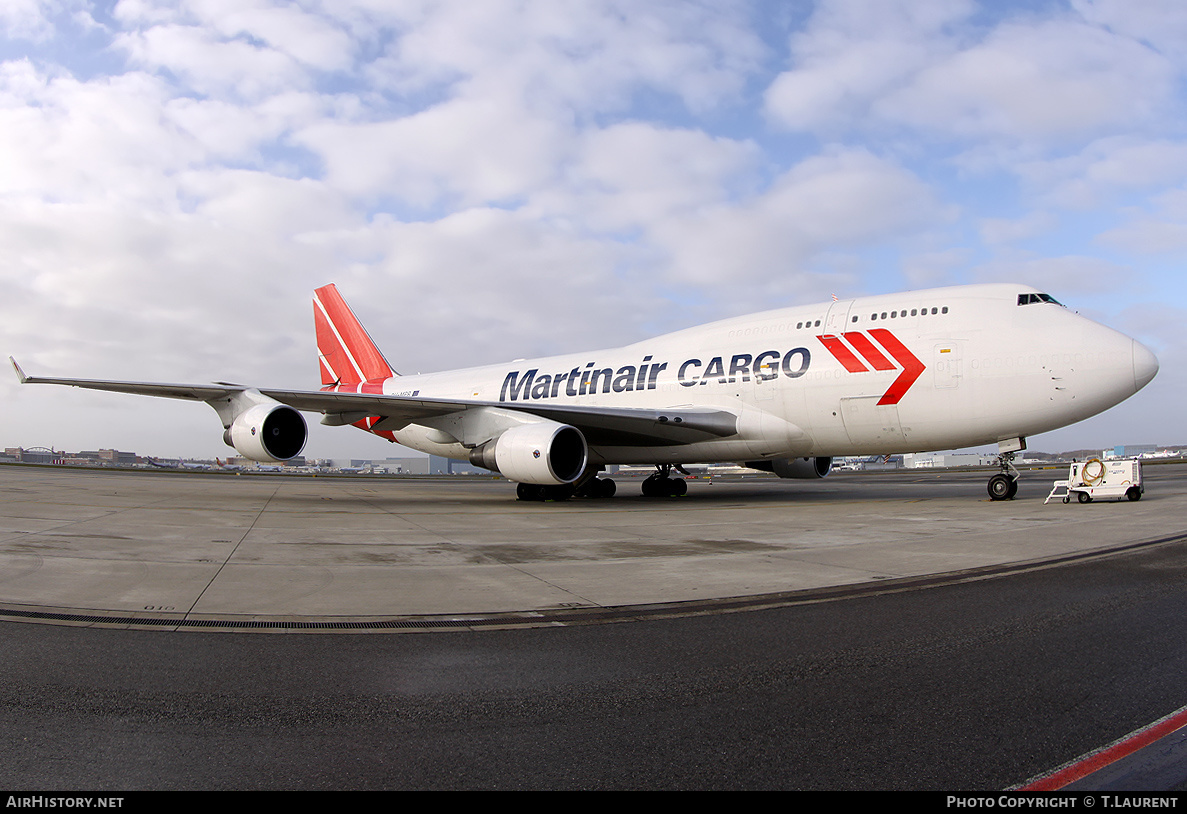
[345,352]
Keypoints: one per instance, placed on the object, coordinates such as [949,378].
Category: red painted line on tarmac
[1095,761]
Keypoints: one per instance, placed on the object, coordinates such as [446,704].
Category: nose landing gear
[1004,485]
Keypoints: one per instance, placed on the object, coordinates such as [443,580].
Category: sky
[488,180]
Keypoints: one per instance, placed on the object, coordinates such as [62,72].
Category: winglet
[20,374]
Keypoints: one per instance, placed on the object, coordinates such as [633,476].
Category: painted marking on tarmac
[1107,755]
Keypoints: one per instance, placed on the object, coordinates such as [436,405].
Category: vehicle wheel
[1133,493]
[529,491]
[606,487]
[1067,498]
[1083,497]
[561,492]
[999,487]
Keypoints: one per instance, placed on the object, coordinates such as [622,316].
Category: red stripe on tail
[345,350]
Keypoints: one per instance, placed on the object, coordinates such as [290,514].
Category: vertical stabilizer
[346,354]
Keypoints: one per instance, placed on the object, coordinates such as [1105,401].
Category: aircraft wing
[617,426]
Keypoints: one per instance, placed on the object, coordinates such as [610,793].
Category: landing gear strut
[661,485]
[1004,485]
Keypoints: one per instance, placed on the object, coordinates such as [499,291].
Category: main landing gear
[590,485]
[661,485]
[1004,485]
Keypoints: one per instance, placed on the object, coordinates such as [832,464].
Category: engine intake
[268,432]
[809,468]
[543,452]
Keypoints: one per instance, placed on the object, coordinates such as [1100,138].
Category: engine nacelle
[268,432]
[543,452]
[809,468]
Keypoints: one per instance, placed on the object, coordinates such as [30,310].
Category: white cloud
[621,178]
[1105,169]
[124,138]
[1044,82]
[27,19]
[211,65]
[65,139]
[934,268]
[1162,23]
[852,53]
[466,152]
[846,199]
[581,56]
[1160,231]
[1059,276]
[926,67]
[998,231]
[305,37]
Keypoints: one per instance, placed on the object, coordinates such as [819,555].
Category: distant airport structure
[99,457]
[1131,451]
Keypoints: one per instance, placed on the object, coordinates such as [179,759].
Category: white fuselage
[927,370]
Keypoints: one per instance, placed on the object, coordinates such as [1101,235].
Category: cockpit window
[1028,299]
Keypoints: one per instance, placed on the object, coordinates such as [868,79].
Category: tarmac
[278,552]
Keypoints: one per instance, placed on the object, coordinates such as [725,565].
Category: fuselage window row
[915,312]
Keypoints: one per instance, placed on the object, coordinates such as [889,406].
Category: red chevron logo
[876,359]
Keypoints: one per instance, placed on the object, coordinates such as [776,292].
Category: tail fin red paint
[345,352]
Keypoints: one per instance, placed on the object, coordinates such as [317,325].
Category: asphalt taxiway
[274,552]
[1045,633]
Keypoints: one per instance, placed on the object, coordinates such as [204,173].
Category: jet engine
[809,468]
[267,432]
[542,452]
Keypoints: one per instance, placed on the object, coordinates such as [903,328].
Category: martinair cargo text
[784,391]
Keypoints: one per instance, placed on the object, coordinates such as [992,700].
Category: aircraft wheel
[1083,497]
[1133,493]
[659,486]
[655,486]
[1013,488]
[1000,487]
[529,491]
[606,487]
[558,493]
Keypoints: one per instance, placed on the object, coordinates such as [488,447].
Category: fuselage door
[872,427]
[948,365]
[837,321]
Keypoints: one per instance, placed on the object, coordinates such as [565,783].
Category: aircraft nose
[1145,365]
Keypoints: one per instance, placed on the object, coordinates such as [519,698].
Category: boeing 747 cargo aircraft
[783,391]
